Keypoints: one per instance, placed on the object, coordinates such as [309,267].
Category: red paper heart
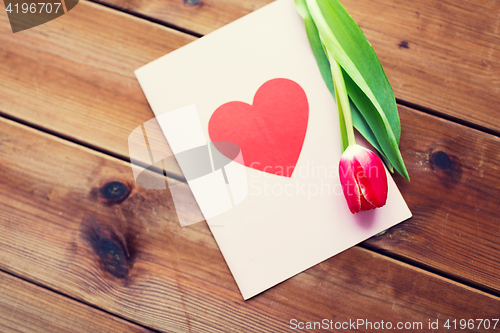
[270,132]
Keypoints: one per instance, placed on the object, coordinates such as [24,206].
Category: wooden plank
[453,195]
[442,55]
[74,75]
[25,307]
[123,251]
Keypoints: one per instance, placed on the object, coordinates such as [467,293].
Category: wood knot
[441,160]
[110,246]
[115,191]
[447,167]
[404,45]
[114,257]
[193,2]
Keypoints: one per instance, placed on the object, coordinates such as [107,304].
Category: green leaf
[349,46]
[362,126]
[378,125]
[323,64]
[325,70]
[316,45]
[381,127]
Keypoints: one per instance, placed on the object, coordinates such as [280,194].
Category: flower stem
[342,99]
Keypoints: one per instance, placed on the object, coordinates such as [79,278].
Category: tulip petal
[365,205]
[371,177]
[359,173]
[350,187]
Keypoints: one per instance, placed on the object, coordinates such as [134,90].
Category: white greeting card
[279,204]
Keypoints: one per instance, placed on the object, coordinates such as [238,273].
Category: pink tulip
[363,179]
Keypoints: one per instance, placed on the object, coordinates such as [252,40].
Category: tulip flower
[363,179]
[365,100]
[362,173]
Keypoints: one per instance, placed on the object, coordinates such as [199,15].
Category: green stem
[343,99]
[343,132]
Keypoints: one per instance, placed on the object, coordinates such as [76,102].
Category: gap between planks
[15,276]
[148,18]
[438,272]
[444,116]
[87,145]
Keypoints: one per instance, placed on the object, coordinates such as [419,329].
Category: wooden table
[80,255]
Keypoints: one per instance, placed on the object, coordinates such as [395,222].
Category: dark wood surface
[71,257]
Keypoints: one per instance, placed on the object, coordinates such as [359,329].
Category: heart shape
[271,131]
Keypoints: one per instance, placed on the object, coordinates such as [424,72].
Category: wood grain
[122,250]
[453,195]
[442,55]
[25,307]
[75,75]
